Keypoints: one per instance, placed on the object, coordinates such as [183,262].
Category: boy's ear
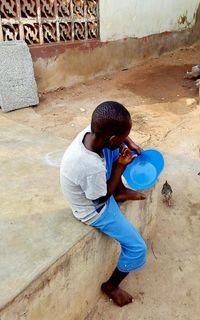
[112,140]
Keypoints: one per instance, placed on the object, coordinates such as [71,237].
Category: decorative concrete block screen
[48,21]
[17,83]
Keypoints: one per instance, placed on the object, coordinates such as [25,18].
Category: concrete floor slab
[36,227]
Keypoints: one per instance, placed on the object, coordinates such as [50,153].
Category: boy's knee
[141,249]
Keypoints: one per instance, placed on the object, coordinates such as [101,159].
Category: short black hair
[110,117]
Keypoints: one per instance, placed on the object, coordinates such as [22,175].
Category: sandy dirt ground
[166,115]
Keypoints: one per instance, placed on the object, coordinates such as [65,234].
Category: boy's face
[116,140]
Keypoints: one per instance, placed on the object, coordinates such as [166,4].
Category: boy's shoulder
[79,161]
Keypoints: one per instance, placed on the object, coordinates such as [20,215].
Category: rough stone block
[18,87]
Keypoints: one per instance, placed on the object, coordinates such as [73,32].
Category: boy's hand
[125,156]
[132,146]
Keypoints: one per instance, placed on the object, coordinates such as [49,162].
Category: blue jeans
[113,223]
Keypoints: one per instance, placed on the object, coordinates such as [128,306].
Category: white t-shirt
[83,180]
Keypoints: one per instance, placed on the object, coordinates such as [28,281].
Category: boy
[90,177]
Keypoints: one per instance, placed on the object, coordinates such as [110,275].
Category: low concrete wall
[70,288]
[64,65]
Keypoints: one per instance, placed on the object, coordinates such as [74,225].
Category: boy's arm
[132,146]
[118,168]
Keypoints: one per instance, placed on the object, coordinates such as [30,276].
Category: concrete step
[51,265]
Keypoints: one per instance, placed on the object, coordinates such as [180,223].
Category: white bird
[194,73]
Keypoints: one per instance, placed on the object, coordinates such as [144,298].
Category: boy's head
[112,123]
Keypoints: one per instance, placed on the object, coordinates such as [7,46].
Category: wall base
[64,65]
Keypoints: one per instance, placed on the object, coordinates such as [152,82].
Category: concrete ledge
[70,287]
[51,265]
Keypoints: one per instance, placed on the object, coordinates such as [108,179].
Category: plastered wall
[139,18]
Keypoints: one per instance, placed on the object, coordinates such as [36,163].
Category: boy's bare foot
[129,194]
[119,296]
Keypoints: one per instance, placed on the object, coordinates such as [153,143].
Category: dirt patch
[159,82]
